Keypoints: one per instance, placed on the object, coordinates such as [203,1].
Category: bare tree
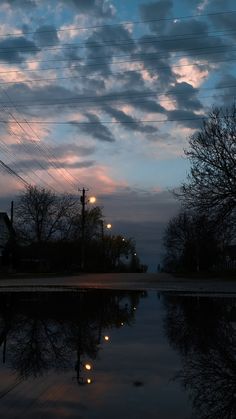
[41,215]
[192,242]
[211,185]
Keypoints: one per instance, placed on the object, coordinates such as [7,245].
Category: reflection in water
[203,331]
[44,331]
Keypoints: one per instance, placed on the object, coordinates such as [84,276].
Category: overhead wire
[71,59]
[43,149]
[129,22]
[105,122]
[24,146]
[48,79]
[101,104]
[147,40]
[4,148]
[134,59]
[114,96]
[13,173]
[110,122]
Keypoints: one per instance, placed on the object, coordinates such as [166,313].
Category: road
[147,281]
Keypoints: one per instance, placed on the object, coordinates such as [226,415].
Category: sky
[104,94]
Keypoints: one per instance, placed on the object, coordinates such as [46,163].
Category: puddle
[117,354]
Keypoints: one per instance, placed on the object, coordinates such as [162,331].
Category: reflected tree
[51,331]
[202,331]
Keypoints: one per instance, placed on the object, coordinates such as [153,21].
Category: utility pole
[12,212]
[83,203]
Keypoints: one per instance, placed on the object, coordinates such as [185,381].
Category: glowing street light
[88,367]
[92,199]
[89,381]
[108,226]
[106,338]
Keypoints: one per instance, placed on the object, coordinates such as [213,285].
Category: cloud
[13,49]
[224,21]
[60,151]
[192,74]
[32,164]
[187,36]
[103,44]
[33,99]
[99,8]
[156,10]
[46,35]
[128,121]
[185,96]
[185,118]
[227,94]
[20,3]
[95,128]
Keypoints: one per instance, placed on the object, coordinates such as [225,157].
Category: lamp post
[108,227]
[84,201]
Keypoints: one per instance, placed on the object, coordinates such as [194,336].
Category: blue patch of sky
[150,173]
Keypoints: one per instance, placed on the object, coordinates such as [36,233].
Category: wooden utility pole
[83,203]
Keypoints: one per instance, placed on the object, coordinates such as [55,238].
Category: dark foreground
[117,354]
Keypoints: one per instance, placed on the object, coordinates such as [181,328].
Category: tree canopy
[211,184]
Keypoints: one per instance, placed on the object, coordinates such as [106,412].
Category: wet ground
[117,354]
[126,281]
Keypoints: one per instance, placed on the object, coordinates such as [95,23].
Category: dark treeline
[202,236]
[57,331]
[202,331]
[53,234]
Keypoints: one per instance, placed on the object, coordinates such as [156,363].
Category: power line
[150,54]
[14,173]
[117,62]
[114,96]
[99,104]
[8,153]
[105,56]
[37,146]
[24,146]
[130,22]
[52,47]
[107,122]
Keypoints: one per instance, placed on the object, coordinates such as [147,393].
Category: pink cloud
[190,73]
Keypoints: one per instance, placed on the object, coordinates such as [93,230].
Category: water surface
[117,354]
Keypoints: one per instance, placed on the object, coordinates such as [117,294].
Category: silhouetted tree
[211,185]
[191,242]
[41,215]
[92,224]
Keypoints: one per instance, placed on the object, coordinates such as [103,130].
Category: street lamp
[92,199]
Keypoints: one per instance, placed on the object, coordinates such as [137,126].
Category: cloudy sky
[104,94]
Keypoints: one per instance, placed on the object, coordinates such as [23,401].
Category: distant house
[6,232]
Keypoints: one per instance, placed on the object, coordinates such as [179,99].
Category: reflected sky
[114,354]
